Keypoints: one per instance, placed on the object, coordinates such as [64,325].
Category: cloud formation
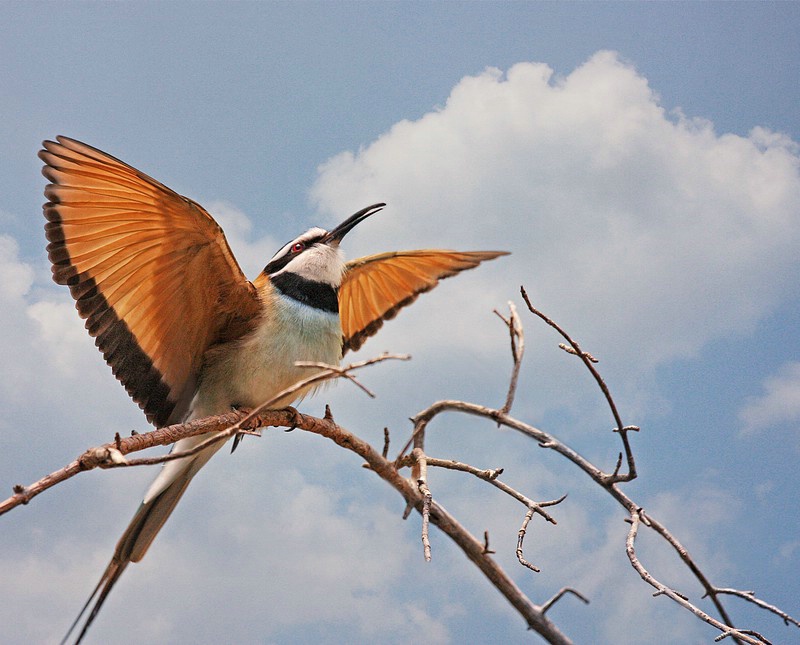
[649,229]
[779,403]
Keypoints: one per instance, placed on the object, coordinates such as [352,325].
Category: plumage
[181,327]
[376,287]
[127,244]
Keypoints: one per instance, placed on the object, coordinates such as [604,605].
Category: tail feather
[160,501]
[110,576]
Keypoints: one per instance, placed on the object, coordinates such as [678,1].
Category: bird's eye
[297,247]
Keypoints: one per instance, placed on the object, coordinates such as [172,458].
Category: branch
[517,338]
[109,454]
[607,481]
[588,361]
[490,476]
[416,492]
[750,596]
[223,426]
[636,517]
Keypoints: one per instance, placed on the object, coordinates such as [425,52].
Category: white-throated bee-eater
[183,330]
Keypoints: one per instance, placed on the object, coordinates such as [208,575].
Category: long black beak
[335,236]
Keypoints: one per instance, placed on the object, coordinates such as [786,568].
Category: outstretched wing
[376,287]
[150,270]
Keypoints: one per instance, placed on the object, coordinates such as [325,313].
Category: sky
[641,164]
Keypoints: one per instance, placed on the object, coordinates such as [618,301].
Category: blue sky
[641,163]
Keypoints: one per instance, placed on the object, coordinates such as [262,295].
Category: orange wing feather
[150,270]
[376,287]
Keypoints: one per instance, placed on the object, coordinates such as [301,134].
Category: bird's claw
[296,417]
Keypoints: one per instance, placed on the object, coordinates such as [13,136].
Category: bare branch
[415,490]
[422,484]
[112,454]
[637,516]
[521,538]
[750,596]
[550,442]
[560,594]
[105,456]
[589,361]
[517,339]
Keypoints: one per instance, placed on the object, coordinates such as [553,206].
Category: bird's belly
[263,364]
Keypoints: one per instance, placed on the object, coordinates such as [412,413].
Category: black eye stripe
[279,262]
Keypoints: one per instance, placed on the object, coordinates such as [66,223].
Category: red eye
[297,247]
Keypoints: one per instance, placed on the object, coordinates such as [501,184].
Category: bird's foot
[296,417]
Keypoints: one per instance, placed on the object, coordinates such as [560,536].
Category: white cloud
[19,349]
[17,276]
[646,233]
[62,334]
[778,405]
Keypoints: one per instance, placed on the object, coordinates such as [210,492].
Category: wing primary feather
[144,262]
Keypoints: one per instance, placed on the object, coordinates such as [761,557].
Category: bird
[182,328]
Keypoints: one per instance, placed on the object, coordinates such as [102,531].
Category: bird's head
[315,254]
[313,259]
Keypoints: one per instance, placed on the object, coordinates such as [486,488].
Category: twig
[488,475]
[385,442]
[337,371]
[486,548]
[589,361]
[533,507]
[750,596]
[422,484]
[560,594]
[517,339]
[520,538]
[637,516]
